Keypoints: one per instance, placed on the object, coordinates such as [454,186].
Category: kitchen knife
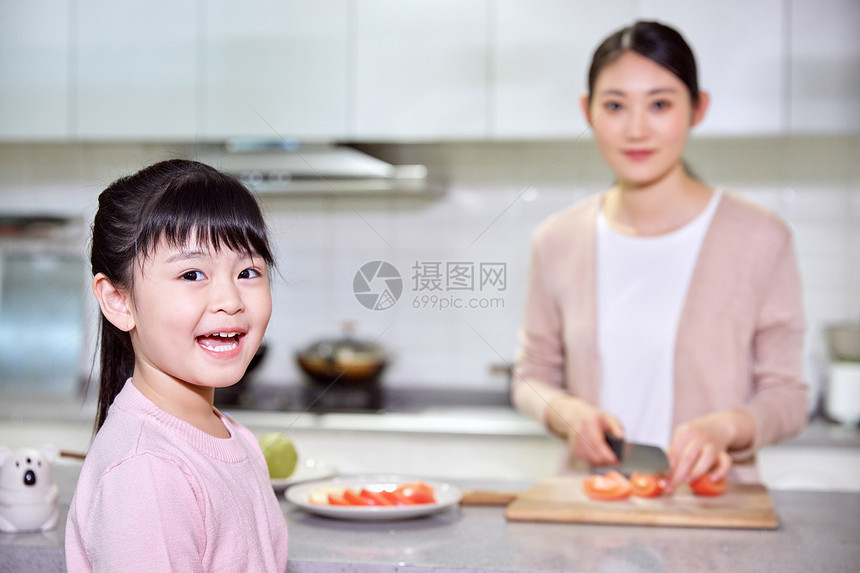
[635,457]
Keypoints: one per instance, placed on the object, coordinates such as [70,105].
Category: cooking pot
[345,359]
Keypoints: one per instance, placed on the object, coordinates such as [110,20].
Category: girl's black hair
[178,200]
[659,43]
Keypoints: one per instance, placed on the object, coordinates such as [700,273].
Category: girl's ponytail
[112,254]
[116,365]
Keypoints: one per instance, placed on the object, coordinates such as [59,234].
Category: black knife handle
[616,444]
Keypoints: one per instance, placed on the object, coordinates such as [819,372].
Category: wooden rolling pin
[486,497]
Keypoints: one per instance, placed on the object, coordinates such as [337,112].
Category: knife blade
[635,457]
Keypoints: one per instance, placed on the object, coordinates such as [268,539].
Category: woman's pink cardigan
[740,336]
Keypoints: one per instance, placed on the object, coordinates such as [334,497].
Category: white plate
[306,470]
[446,495]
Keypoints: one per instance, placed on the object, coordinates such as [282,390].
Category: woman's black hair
[177,200]
[659,43]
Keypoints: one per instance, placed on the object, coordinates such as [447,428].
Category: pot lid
[344,348]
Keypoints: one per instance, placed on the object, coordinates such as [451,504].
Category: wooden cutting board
[562,499]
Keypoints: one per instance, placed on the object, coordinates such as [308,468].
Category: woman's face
[641,114]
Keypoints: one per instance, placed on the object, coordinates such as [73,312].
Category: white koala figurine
[28,494]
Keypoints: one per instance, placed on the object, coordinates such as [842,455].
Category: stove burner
[343,398]
[367,398]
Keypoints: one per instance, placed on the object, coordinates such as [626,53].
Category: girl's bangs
[210,209]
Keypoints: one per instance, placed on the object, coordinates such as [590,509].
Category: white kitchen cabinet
[34,69]
[825,66]
[274,68]
[418,70]
[137,69]
[740,53]
[542,52]
[401,70]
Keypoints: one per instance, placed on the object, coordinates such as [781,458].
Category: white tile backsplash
[496,194]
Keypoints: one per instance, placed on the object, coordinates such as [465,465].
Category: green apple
[280,454]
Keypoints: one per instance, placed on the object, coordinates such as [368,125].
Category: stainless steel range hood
[277,168]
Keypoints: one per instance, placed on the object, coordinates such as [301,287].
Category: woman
[662,310]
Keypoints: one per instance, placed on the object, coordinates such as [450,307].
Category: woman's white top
[641,287]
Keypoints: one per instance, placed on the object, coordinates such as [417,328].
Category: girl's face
[199,315]
[641,114]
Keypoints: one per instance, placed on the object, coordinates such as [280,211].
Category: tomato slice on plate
[704,485]
[647,485]
[375,498]
[354,498]
[334,499]
[417,492]
[608,487]
[396,498]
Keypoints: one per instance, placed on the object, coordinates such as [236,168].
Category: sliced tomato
[334,499]
[354,498]
[407,494]
[376,498]
[608,487]
[396,498]
[417,492]
[704,485]
[647,485]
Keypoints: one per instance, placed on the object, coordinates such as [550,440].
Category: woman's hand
[702,446]
[584,426]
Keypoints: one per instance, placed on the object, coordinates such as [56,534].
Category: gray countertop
[818,532]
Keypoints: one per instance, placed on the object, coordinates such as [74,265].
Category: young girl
[662,310]
[180,261]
